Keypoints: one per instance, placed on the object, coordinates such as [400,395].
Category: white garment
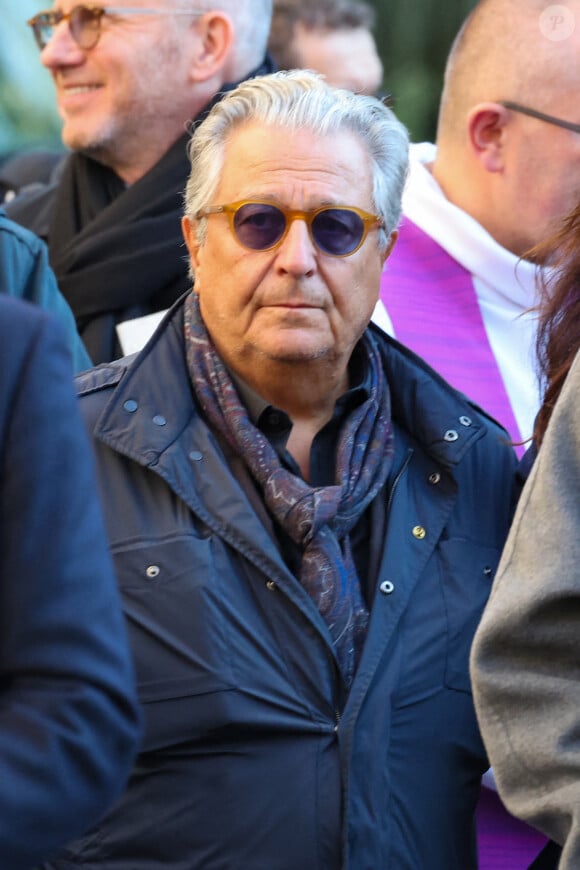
[505,286]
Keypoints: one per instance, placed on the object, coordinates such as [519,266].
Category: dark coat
[68,712]
[252,759]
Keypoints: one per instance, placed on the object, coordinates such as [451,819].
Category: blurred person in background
[26,274]
[460,288]
[68,713]
[129,83]
[524,658]
[505,170]
[332,37]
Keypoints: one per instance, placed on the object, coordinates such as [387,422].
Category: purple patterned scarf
[317,519]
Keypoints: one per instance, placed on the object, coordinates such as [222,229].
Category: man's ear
[486,130]
[189,230]
[214,39]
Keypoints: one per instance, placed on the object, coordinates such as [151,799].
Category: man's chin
[296,354]
[76,139]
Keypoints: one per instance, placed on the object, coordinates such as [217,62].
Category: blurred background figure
[459,286]
[26,274]
[558,337]
[68,715]
[130,82]
[413,49]
[332,37]
[525,657]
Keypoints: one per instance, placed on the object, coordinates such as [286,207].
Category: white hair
[300,99]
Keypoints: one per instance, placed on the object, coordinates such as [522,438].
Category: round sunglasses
[337,230]
[84,22]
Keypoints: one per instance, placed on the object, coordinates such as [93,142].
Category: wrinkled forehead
[269,159]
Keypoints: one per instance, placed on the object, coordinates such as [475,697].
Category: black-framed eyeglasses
[337,230]
[540,116]
[84,22]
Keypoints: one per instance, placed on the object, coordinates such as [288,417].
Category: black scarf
[118,251]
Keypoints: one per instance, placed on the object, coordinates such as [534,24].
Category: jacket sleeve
[26,273]
[68,717]
[525,664]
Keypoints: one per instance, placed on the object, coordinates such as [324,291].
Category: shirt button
[434,478]
[153,571]
[450,435]
[159,420]
[465,421]
[387,587]
[195,455]
[419,532]
[130,406]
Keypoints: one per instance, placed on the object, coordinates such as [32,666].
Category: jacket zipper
[400,473]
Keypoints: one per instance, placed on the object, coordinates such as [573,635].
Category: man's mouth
[79,89]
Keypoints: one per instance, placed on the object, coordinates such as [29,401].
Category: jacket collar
[153,403]
[435,415]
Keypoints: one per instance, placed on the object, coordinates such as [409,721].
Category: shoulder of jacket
[492,422]
[102,377]
[31,208]
[16,235]
[424,402]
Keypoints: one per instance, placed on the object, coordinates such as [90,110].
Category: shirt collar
[265,416]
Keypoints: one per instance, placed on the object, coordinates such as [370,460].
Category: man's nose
[61,49]
[297,253]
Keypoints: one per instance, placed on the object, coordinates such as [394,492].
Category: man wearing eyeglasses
[305,521]
[506,169]
[131,81]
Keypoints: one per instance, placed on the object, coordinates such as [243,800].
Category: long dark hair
[558,336]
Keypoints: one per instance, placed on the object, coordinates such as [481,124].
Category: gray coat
[525,664]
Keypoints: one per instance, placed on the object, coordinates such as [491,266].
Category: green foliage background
[413,37]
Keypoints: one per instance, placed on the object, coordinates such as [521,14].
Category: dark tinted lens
[337,231]
[85,25]
[259,226]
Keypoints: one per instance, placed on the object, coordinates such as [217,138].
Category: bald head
[509,50]
[516,174]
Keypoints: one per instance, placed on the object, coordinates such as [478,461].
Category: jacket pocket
[171,598]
